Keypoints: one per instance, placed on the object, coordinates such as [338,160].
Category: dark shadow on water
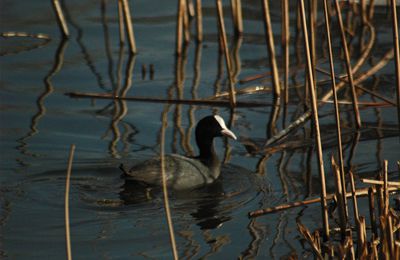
[203,203]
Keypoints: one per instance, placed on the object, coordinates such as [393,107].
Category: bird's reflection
[203,203]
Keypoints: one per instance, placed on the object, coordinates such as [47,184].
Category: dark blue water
[110,219]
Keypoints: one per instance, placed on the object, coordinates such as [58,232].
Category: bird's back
[181,172]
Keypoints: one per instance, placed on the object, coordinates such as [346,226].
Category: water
[109,218]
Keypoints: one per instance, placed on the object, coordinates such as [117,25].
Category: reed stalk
[340,201]
[271,49]
[66,203]
[237,16]
[121,25]
[335,101]
[286,50]
[199,21]
[324,208]
[195,102]
[359,193]
[354,196]
[164,186]
[385,188]
[186,24]
[348,66]
[129,27]
[306,116]
[179,28]
[224,43]
[372,218]
[396,55]
[60,18]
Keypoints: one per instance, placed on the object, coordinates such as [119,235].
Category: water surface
[109,218]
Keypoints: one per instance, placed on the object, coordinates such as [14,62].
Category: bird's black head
[208,128]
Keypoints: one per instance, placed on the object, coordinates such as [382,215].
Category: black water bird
[186,172]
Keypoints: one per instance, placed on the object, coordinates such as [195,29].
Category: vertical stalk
[348,66]
[224,42]
[285,47]
[186,29]
[397,55]
[66,202]
[129,27]
[121,23]
[371,203]
[164,185]
[179,28]
[324,208]
[271,49]
[237,16]
[335,101]
[199,20]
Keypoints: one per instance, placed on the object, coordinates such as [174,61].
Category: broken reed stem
[324,207]
[397,55]
[222,36]
[372,93]
[359,192]
[164,185]
[306,234]
[199,21]
[271,49]
[303,118]
[66,203]
[60,18]
[121,23]
[335,101]
[376,182]
[128,26]
[348,66]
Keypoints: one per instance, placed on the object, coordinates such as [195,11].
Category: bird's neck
[206,148]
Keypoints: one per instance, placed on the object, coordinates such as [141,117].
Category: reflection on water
[111,217]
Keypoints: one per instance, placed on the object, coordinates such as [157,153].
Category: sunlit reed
[271,49]
[60,18]
[348,65]
[66,203]
[224,42]
[324,209]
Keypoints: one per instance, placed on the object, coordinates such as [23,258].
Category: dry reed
[164,185]
[128,26]
[271,49]
[121,25]
[66,203]
[224,42]
[60,18]
[336,106]
[348,66]
[324,207]
[396,55]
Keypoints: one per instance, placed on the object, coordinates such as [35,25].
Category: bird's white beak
[228,133]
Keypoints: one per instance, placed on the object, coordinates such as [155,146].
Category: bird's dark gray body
[186,172]
[181,172]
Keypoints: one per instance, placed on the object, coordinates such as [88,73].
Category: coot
[184,172]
